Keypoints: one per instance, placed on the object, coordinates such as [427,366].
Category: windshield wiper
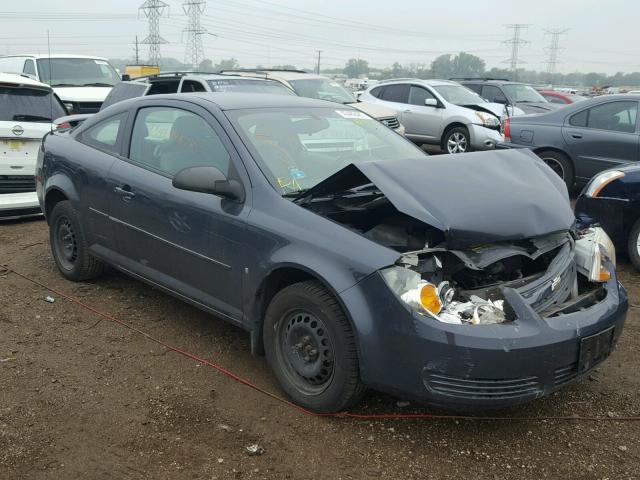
[296,194]
[97,84]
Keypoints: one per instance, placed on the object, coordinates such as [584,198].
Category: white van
[27,109]
[81,82]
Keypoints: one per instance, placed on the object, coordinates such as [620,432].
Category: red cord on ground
[244,381]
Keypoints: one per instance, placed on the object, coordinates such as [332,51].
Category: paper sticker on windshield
[352,114]
[101,62]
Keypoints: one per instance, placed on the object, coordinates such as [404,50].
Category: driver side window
[493,94]
[170,139]
[417,95]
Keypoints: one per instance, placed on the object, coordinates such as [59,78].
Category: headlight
[413,290]
[600,181]
[488,120]
[591,250]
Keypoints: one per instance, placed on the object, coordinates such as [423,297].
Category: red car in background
[561,97]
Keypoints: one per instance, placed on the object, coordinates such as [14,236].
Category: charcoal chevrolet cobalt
[351,258]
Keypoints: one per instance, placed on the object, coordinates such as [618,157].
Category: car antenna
[50,93]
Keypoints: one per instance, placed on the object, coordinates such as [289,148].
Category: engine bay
[461,286]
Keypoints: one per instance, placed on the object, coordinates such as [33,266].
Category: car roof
[22,80]
[57,55]
[234,101]
[220,76]
[432,82]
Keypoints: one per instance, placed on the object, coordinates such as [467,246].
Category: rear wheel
[456,140]
[633,245]
[311,349]
[69,245]
[559,163]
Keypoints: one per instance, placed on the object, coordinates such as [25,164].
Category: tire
[456,140]
[311,349]
[633,245]
[69,245]
[559,163]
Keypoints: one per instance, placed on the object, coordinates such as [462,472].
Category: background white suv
[26,110]
[81,82]
[440,112]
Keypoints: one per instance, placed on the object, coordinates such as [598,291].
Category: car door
[422,122]
[602,136]
[188,242]
[99,148]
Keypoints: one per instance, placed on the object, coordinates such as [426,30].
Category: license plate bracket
[594,349]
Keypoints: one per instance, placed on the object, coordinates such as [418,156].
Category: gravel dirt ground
[84,398]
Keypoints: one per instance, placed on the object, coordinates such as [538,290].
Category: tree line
[445,66]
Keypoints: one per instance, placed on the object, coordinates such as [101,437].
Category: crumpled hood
[82,94]
[474,198]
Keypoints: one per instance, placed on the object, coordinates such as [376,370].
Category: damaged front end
[460,254]
[553,274]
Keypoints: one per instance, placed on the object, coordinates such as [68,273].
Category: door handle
[576,135]
[125,191]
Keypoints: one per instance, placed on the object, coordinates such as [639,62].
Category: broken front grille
[17,183]
[556,285]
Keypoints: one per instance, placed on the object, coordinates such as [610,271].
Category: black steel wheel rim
[306,352]
[65,243]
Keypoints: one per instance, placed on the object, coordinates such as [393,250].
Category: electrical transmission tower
[516,42]
[195,51]
[153,10]
[553,49]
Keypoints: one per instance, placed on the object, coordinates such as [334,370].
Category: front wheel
[456,140]
[311,349]
[633,245]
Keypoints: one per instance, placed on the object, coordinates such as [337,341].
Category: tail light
[506,128]
[63,126]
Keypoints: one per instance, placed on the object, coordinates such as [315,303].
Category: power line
[553,49]
[153,10]
[195,49]
[516,42]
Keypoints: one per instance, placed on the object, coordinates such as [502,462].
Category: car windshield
[298,148]
[29,105]
[459,95]
[322,89]
[77,72]
[249,86]
[524,94]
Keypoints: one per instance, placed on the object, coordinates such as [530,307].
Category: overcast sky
[602,36]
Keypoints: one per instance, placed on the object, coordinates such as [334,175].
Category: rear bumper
[15,205]
[467,367]
[483,138]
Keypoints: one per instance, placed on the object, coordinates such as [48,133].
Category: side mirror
[126,77]
[431,102]
[208,180]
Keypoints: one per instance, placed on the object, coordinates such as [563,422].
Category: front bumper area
[483,138]
[16,205]
[466,367]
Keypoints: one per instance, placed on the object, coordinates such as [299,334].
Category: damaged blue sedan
[352,259]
